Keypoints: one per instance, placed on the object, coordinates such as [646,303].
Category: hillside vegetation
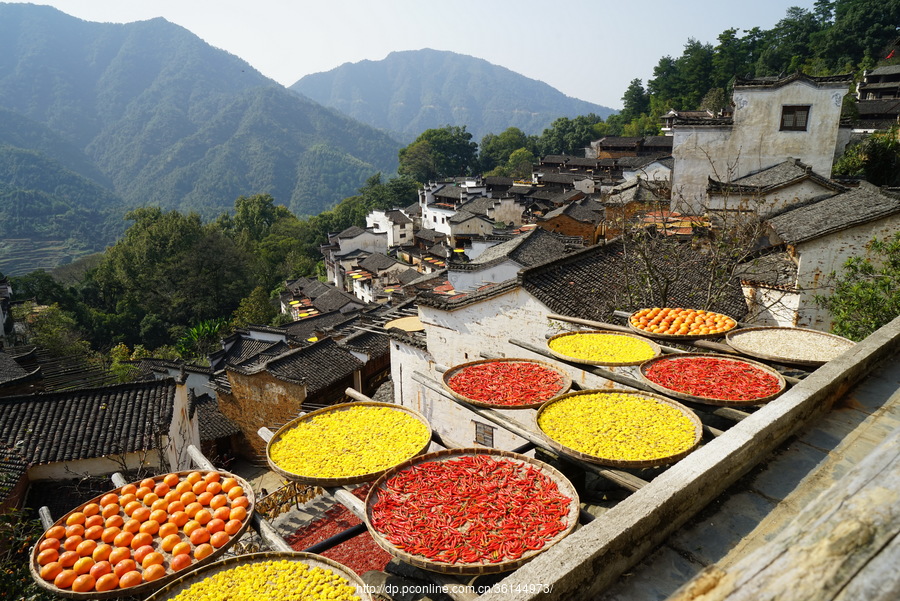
[147,114]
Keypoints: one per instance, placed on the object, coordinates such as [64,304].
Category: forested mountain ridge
[411,91]
[158,117]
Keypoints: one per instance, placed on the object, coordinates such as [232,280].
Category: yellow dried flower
[350,442]
[618,426]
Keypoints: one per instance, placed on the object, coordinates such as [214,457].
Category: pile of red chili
[471,509]
[713,378]
[507,382]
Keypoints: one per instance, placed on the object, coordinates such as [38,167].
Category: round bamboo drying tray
[564,379]
[185,581]
[146,587]
[350,479]
[681,337]
[564,486]
[612,462]
[782,384]
[733,340]
[641,336]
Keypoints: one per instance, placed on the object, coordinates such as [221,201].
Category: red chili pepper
[488,510]
[714,378]
[507,382]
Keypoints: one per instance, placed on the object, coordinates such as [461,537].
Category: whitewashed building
[796,116]
[811,243]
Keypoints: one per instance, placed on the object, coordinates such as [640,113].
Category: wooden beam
[843,545]
[618,477]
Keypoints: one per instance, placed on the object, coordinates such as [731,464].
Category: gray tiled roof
[430,235]
[336,300]
[775,269]
[862,205]
[588,284]
[782,174]
[396,216]
[637,191]
[351,232]
[87,423]
[405,277]
[306,328]
[584,212]
[213,424]
[377,262]
[454,192]
[9,369]
[777,82]
[368,342]
[316,366]
[527,249]
[12,467]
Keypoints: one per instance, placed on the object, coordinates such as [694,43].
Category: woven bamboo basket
[782,384]
[564,379]
[183,583]
[734,340]
[653,346]
[613,462]
[678,337]
[146,587]
[421,561]
[350,479]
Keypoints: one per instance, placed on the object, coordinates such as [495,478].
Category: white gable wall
[776,200]
[820,257]
[755,141]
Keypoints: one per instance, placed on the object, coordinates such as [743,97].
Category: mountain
[152,115]
[411,91]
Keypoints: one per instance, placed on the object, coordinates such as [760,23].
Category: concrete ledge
[589,560]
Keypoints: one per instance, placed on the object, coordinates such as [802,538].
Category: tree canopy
[438,153]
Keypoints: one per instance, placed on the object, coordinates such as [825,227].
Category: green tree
[53,329]
[438,153]
[570,136]
[877,159]
[635,101]
[255,309]
[496,149]
[867,291]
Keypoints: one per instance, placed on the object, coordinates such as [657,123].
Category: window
[484,434]
[794,118]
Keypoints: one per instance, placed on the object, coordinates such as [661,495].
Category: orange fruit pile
[142,532]
[681,322]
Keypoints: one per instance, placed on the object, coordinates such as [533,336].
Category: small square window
[484,434]
[794,118]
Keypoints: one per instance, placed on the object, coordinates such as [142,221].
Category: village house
[582,218]
[624,203]
[771,190]
[98,431]
[346,247]
[809,243]
[395,223]
[774,118]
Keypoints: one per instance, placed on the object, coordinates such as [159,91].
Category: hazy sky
[589,49]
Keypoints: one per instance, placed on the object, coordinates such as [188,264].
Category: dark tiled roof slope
[213,424]
[775,269]
[589,284]
[87,423]
[12,467]
[862,205]
[335,300]
[368,342]
[782,174]
[305,328]
[777,82]
[317,366]
[9,369]
[377,261]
